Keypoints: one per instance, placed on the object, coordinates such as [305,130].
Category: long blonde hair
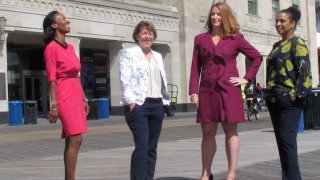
[229,23]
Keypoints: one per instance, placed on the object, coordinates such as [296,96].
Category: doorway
[35,89]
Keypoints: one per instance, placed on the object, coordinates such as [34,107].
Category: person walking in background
[68,102]
[219,99]
[144,92]
[251,93]
[288,82]
[259,87]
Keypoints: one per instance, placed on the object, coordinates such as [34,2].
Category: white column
[75,41]
[189,28]
[4,69]
[312,33]
[114,55]
[165,51]
[241,64]
[262,73]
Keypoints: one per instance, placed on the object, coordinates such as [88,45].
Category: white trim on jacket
[134,76]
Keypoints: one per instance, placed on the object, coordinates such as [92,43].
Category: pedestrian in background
[259,87]
[288,82]
[144,92]
[68,102]
[218,96]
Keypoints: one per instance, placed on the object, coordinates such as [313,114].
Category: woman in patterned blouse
[288,82]
[144,92]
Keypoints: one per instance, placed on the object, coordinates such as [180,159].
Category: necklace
[64,45]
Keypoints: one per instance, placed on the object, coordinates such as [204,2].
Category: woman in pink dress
[68,102]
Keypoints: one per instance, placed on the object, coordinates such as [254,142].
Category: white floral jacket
[134,77]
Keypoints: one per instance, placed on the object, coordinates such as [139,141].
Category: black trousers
[285,118]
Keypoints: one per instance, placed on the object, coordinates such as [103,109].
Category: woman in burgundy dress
[68,102]
[217,94]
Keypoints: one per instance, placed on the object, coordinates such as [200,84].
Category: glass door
[35,89]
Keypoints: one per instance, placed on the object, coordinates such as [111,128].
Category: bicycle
[252,109]
[171,108]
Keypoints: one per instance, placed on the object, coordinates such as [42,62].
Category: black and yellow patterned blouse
[288,68]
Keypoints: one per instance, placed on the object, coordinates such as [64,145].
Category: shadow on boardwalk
[174,178]
[180,178]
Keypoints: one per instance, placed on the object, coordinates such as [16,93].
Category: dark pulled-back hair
[48,31]
[294,14]
[143,24]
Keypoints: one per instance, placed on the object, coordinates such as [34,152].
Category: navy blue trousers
[285,118]
[145,123]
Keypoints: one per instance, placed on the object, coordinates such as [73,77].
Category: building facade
[318,31]
[101,28]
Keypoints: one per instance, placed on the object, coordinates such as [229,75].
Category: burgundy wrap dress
[211,69]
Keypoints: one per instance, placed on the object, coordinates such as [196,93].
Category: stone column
[262,73]
[167,60]
[312,43]
[114,56]
[4,84]
[241,64]
[75,41]
[165,51]
[189,27]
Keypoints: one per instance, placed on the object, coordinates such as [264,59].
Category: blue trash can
[15,113]
[103,108]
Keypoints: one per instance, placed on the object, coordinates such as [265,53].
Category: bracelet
[86,100]
[53,109]
[194,94]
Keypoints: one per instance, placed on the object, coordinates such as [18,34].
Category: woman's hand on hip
[86,107]
[194,98]
[131,106]
[236,81]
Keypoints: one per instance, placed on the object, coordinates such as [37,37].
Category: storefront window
[3,93]
[95,73]
[14,77]
[27,79]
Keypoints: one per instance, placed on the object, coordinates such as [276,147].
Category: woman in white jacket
[144,92]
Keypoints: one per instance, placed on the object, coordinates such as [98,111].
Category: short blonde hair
[229,23]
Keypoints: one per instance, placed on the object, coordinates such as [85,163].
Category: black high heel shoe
[211,176]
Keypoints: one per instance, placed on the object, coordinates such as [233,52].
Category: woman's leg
[137,121]
[72,146]
[208,147]
[232,147]
[285,118]
[156,111]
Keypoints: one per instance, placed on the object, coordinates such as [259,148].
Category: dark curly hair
[294,14]
[48,31]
